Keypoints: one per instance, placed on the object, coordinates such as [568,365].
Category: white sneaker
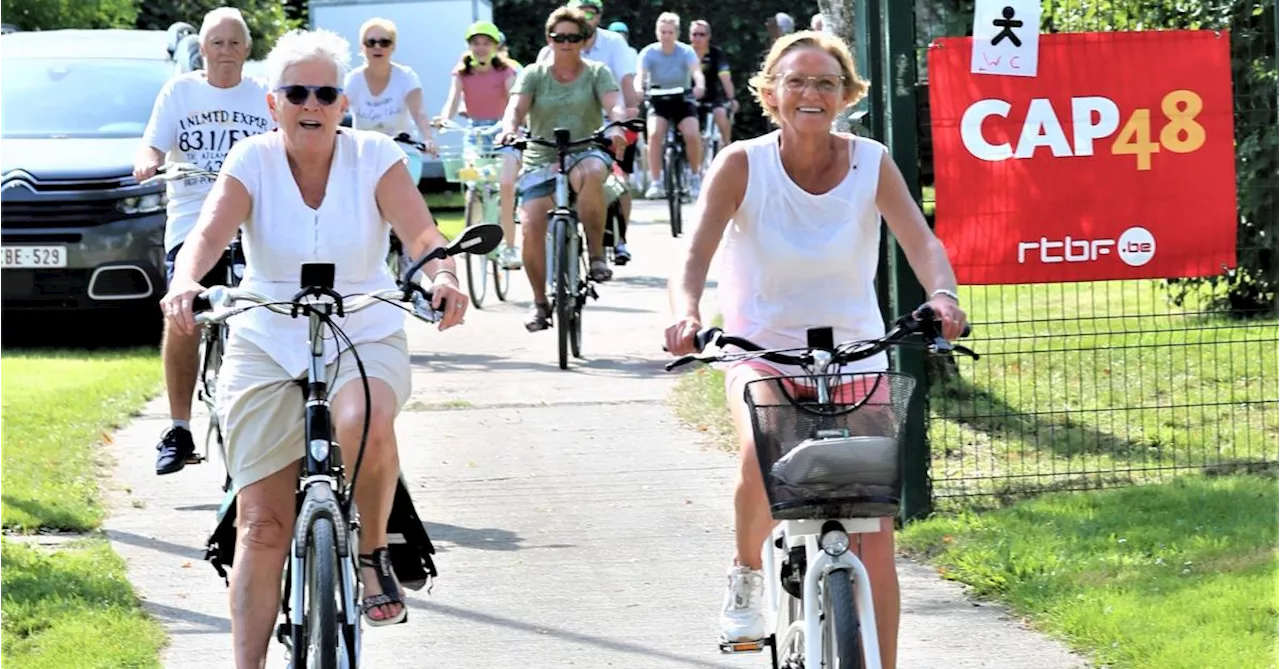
[655,191]
[509,258]
[742,618]
[695,185]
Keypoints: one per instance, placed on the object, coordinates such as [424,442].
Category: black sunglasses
[297,94]
[572,38]
[382,42]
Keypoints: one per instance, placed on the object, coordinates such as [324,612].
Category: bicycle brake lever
[680,362]
[964,350]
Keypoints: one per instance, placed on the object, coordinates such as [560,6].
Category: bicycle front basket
[841,459]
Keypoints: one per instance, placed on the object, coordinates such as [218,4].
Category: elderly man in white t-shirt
[610,48]
[196,119]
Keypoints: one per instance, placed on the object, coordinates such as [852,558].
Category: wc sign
[1115,161]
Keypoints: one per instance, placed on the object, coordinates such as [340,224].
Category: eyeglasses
[823,83]
[297,94]
[697,34]
[383,42]
[572,38]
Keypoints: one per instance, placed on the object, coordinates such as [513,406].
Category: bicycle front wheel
[671,176]
[843,633]
[564,288]
[322,589]
[477,264]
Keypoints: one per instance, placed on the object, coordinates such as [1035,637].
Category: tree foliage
[737,27]
[266,18]
[55,14]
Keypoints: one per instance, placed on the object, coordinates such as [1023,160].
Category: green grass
[74,603]
[450,222]
[1175,575]
[55,407]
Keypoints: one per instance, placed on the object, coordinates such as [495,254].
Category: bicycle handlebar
[215,304]
[921,321]
[171,171]
[562,142]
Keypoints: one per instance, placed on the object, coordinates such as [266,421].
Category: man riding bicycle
[196,119]
[566,92]
[668,63]
[719,97]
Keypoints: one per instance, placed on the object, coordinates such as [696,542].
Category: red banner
[1115,162]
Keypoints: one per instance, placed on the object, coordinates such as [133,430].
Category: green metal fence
[1092,384]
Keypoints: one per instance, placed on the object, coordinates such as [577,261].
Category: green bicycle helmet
[485,28]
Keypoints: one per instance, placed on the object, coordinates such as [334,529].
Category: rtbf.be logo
[1135,247]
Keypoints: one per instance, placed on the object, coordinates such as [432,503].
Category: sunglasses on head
[572,38]
[297,94]
[383,42]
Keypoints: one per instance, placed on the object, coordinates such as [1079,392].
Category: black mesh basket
[842,459]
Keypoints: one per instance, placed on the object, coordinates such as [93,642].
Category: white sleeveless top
[282,232]
[791,260]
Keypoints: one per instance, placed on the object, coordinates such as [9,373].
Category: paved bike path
[577,522]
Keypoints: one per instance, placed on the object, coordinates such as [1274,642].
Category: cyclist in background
[669,63]
[569,92]
[386,96]
[715,70]
[197,118]
[802,252]
[482,81]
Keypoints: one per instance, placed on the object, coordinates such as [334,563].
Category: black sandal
[380,562]
[540,319]
[600,271]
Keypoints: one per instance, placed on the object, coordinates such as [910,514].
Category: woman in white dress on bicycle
[386,96]
[796,214]
[312,191]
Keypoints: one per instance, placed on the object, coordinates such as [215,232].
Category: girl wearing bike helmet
[482,82]
[797,215]
[386,96]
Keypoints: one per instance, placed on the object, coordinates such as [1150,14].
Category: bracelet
[445,270]
[948,293]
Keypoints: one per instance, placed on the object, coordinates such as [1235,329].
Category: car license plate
[34,256]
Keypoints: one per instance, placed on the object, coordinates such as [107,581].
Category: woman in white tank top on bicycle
[796,214]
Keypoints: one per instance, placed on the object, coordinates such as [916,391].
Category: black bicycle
[674,162]
[322,591]
[828,446]
[568,271]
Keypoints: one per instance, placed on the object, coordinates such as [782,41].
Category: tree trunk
[838,19]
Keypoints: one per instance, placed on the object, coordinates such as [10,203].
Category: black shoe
[177,448]
[621,255]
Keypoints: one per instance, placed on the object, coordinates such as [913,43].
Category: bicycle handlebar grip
[706,337]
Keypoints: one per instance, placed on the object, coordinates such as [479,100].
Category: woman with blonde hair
[482,81]
[386,96]
[797,215]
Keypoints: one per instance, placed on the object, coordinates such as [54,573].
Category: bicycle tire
[322,606]
[501,280]
[843,623]
[575,325]
[671,179]
[563,299]
[477,264]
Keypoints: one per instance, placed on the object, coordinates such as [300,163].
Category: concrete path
[578,523]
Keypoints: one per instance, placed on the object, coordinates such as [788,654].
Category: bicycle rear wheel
[477,265]
[841,618]
[321,622]
[564,298]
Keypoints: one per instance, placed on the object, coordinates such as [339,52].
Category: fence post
[894,86]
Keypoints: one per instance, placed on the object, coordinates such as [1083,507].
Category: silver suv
[79,233]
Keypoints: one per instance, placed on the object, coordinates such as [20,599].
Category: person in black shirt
[715,69]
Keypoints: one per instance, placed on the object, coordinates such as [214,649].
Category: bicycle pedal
[195,459]
[591,290]
[735,647]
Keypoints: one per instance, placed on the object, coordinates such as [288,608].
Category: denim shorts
[540,181]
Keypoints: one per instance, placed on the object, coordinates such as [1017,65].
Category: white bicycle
[828,447]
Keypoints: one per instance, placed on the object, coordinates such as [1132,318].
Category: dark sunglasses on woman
[382,42]
[297,94]
[572,38]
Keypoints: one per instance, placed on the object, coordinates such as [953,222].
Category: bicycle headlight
[834,542]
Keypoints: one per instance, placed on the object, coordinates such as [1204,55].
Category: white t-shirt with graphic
[195,122]
[387,112]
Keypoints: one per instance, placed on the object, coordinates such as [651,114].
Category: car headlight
[145,204]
